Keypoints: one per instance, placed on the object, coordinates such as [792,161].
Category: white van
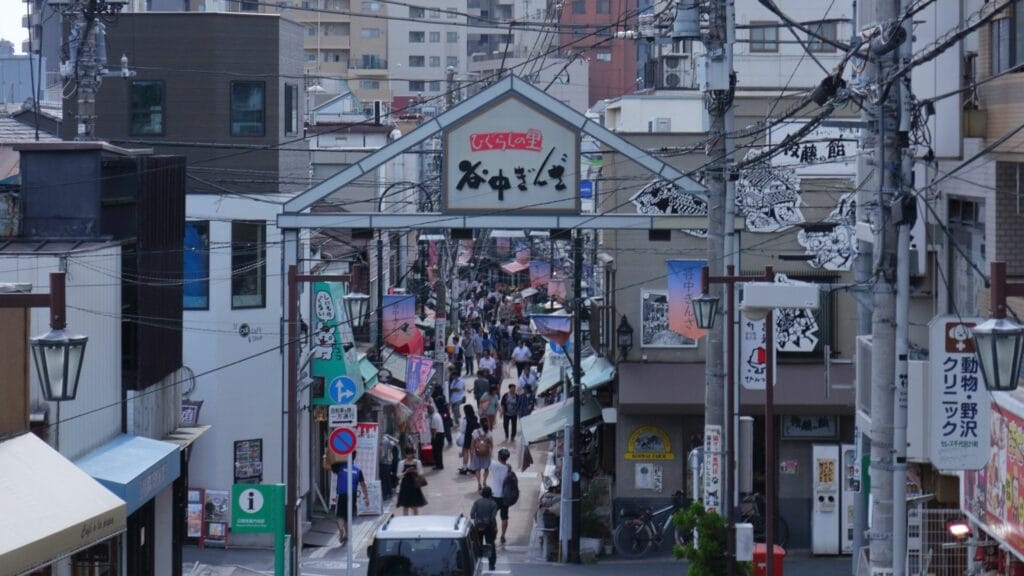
[424,546]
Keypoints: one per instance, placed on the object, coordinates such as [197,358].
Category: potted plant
[594,521]
[707,554]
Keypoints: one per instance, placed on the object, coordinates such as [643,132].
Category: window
[373,62]
[764,37]
[435,61]
[579,6]
[247,100]
[417,12]
[248,265]
[435,86]
[371,6]
[452,13]
[604,56]
[826,30]
[452,37]
[435,37]
[417,86]
[339,5]
[369,84]
[310,31]
[332,56]
[291,108]
[196,259]
[250,6]
[416,37]
[435,13]
[452,61]
[310,57]
[416,61]
[370,32]
[1008,40]
[147,107]
[603,7]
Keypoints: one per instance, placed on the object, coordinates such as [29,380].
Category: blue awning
[368,371]
[134,468]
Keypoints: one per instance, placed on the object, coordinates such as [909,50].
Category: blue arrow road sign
[342,390]
[343,441]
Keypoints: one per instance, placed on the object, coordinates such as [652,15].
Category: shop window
[98,560]
[248,265]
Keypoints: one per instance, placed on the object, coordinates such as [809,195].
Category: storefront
[661,419]
[140,471]
[53,509]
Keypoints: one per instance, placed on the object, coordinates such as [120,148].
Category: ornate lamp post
[357,304]
[999,341]
[624,337]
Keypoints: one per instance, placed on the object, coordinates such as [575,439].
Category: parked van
[424,546]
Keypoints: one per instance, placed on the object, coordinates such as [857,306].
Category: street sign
[341,415]
[343,441]
[960,406]
[754,354]
[342,390]
[586,189]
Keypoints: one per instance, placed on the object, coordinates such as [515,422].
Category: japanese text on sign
[712,467]
[960,412]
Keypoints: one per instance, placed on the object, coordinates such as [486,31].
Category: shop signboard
[511,155]
[712,467]
[334,357]
[959,403]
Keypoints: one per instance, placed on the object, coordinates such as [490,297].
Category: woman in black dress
[467,426]
[410,493]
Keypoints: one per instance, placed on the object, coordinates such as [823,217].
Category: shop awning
[550,377]
[51,508]
[552,419]
[395,363]
[387,394]
[597,371]
[514,267]
[368,371]
[135,468]
[528,292]
[507,234]
[186,435]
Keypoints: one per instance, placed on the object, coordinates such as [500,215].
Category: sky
[11,12]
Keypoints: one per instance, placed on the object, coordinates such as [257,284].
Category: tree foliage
[707,553]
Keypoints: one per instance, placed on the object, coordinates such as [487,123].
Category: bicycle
[751,509]
[637,536]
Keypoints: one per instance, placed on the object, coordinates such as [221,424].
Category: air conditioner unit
[672,71]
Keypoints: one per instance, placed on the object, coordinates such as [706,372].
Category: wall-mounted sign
[824,151]
[654,322]
[754,354]
[334,357]
[249,461]
[712,467]
[960,412]
[647,476]
[649,443]
[341,415]
[512,155]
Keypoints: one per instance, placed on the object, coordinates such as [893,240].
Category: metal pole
[730,421]
[769,442]
[293,372]
[58,308]
[899,470]
[577,376]
[997,270]
[348,510]
[380,298]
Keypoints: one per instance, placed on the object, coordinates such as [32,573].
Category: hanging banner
[417,374]
[712,467]
[754,354]
[400,331]
[959,403]
[684,278]
[540,273]
[555,327]
[334,353]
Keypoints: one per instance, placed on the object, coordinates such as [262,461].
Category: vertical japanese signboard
[712,467]
[959,404]
[511,155]
[334,354]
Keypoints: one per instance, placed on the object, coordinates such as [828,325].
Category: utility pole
[577,396]
[884,140]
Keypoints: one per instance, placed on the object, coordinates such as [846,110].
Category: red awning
[387,394]
[514,267]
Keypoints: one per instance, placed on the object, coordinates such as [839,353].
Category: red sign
[994,495]
[532,140]
[343,441]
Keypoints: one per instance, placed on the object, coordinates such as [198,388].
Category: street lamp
[624,336]
[998,341]
[705,307]
[58,357]
[357,304]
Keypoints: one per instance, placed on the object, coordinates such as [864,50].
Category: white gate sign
[960,409]
[339,415]
[511,155]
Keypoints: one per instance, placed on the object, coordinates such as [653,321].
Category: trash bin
[761,559]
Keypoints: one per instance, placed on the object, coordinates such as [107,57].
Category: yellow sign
[826,471]
[649,443]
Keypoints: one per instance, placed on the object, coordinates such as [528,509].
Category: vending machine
[825,496]
[851,489]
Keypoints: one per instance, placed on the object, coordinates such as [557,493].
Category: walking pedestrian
[468,351]
[489,405]
[509,407]
[410,487]
[484,515]
[488,363]
[456,396]
[499,482]
[344,469]
[480,457]
[436,436]
[476,344]
[527,401]
[521,356]
[528,379]
[467,426]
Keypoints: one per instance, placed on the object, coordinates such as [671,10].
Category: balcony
[372,69]
[329,42]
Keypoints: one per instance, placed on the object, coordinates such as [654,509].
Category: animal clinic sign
[960,405]
[511,155]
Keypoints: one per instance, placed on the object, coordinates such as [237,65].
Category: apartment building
[424,46]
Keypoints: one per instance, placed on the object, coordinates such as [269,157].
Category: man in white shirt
[498,472]
[521,356]
[487,362]
[436,436]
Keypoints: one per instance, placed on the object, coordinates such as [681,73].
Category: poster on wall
[194,514]
[376,506]
[217,513]
[712,467]
[654,315]
[647,476]
[367,447]
[684,284]
[249,461]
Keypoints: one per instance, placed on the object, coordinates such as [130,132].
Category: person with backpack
[480,453]
[484,516]
[505,486]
